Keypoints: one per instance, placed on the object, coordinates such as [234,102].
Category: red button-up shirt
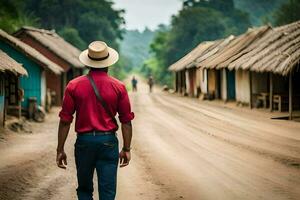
[79,97]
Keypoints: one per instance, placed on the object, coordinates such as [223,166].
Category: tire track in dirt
[209,160]
[193,122]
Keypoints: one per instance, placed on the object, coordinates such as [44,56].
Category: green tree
[135,46]
[78,21]
[93,19]
[288,12]
[260,11]
[13,16]
[155,65]
[197,21]
[71,35]
[189,28]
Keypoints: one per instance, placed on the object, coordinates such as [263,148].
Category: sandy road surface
[182,149]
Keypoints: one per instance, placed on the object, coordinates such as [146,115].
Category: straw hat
[99,55]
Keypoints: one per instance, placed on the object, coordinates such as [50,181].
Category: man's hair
[98,69]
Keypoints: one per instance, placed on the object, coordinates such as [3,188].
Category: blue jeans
[101,153]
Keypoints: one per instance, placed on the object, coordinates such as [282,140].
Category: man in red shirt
[96,98]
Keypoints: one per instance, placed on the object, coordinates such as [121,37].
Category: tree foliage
[158,49]
[72,35]
[78,21]
[260,11]
[135,46]
[197,21]
[93,19]
[288,12]
[13,16]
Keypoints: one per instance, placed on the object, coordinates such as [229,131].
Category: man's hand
[61,159]
[124,158]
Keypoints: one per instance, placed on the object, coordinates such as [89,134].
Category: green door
[230,85]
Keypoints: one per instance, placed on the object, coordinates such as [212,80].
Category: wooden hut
[261,65]
[234,85]
[276,54]
[189,79]
[59,51]
[36,65]
[10,101]
[213,76]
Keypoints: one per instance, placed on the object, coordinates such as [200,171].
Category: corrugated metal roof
[54,43]
[9,64]
[30,52]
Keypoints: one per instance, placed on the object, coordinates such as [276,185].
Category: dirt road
[182,149]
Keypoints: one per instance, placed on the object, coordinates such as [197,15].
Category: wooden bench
[264,98]
[280,100]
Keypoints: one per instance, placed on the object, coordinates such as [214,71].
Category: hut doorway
[230,84]
[214,84]
[192,82]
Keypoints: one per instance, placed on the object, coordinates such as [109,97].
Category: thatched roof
[218,46]
[278,51]
[186,61]
[9,64]
[263,49]
[55,44]
[234,48]
[30,52]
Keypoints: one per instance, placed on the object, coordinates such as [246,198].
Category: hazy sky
[150,13]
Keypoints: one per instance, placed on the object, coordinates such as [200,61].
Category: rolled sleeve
[68,106]
[124,108]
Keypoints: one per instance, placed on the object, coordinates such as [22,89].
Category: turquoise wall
[31,84]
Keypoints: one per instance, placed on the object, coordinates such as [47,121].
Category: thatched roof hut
[55,44]
[218,46]
[278,51]
[188,59]
[30,52]
[234,49]
[9,64]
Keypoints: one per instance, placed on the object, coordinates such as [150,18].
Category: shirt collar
[98,73]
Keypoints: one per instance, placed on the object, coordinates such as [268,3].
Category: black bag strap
[101,100]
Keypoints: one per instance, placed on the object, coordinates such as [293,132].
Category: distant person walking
[134,83]
[150,83]
[96,98]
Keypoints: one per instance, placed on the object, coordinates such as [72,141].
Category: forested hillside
[135,46]
[82,21]
[259,10]
[197,21]
[204,20]
[78,21]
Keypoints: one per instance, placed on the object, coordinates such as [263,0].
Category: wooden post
[19,99]
[250,85]
[175,81]
[271,92]
[290,96]
[182,82]
[207,83]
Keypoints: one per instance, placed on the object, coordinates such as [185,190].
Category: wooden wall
[32,84]
[242,85]
[223,81]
